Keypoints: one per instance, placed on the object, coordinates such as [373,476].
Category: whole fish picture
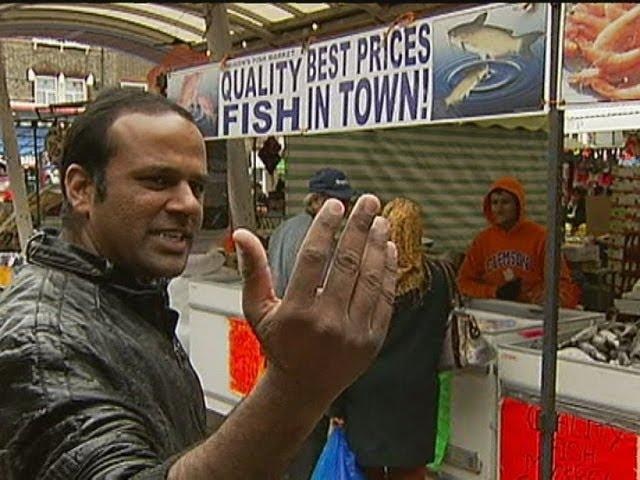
[490,60]
[468,83]
[491,41]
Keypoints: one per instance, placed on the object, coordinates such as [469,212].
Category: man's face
[154,189]
[504,208]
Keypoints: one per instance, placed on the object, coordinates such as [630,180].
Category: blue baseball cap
[331,182]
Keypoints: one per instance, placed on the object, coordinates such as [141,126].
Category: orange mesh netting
[246,361]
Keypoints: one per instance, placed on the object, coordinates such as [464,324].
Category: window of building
[50,89]
[46,89]
[134,85]
[75,90]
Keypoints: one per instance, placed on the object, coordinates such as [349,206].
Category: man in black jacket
[95,384]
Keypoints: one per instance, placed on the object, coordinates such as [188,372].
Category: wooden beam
[238,180]
[12,156]
[374,10]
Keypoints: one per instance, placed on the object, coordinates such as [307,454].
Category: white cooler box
[473,445]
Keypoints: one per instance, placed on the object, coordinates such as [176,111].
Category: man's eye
[197,188]
[157,182]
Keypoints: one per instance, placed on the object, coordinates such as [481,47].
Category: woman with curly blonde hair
[390,412]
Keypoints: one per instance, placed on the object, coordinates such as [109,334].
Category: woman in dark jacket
[390,412]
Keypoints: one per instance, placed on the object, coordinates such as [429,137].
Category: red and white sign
[584,449]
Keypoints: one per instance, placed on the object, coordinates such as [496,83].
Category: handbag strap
[449,273]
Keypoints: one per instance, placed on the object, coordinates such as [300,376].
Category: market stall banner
[601,54]
[196,90]
[488,61]
[583,448]
[447,169]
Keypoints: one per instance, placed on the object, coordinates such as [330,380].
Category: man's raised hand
[326,330]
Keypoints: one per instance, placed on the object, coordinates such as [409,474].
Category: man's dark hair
[88,142]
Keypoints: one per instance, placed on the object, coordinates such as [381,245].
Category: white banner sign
[489,61]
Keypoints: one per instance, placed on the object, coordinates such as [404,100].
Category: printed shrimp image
[602,42]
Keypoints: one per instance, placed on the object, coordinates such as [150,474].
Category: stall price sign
[584,449]
[489,61]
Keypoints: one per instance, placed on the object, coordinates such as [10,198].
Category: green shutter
[447,169]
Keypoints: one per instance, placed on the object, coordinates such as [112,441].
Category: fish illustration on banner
[488,61]
[491,41]
[467,84]
[196,90]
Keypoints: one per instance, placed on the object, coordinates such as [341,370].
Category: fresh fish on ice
[623,358]
[610,338]
[600,342]
[592,351]
[635,348]
[582,336]
[574,353]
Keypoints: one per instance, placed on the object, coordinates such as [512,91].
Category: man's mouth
[176,236]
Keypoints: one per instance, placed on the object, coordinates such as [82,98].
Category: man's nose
[184,200]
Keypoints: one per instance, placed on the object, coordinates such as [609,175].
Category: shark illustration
[466,85]
[490,41]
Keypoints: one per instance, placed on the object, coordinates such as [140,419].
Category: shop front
[446,158]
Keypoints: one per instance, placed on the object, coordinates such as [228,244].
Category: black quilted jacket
[93,382]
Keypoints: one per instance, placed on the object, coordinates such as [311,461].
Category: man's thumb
[257,291]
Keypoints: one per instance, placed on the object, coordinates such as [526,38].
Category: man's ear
[80,188]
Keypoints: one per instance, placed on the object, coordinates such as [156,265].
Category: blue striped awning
[26,141]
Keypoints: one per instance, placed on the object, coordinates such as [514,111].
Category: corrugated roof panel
[171,13]
[310,7]
[104,11]
[269,11]
[244,17]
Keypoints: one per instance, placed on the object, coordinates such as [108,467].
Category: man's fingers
[258,297]
[345,267]
[384,307]
[315,253]
[370,279]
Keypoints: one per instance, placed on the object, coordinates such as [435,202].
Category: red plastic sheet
[584,449]
[246,361]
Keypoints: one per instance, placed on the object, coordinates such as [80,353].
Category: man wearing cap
[287,238]
[283,250]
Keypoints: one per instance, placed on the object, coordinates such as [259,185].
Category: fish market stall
[472,453]
[490,62]
[597,368]
[598,381]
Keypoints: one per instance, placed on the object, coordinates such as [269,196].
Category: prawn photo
[602,44]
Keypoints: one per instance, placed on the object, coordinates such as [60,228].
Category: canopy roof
[149,30]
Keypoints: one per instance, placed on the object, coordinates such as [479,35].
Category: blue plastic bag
[337,461]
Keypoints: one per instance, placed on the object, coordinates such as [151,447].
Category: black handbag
[464,345]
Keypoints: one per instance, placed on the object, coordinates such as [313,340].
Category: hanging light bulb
[31,75]
[90,80]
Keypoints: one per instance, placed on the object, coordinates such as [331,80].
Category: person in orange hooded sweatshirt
[506,259]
